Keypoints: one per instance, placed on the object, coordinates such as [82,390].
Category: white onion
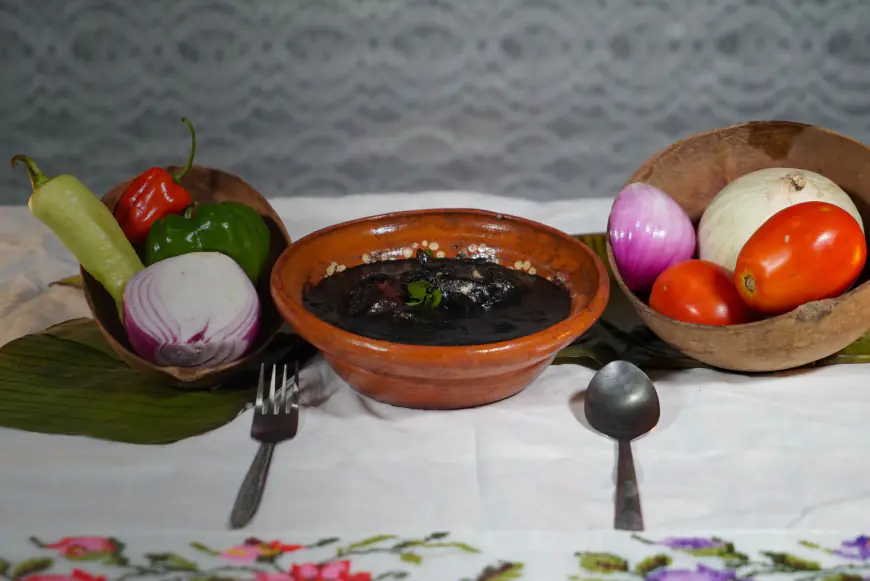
[197,309]
[745,204]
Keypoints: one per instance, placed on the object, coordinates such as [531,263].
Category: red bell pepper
[152,195]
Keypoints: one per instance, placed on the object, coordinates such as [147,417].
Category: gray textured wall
[536,98]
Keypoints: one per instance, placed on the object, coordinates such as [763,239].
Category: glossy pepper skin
[153,195]
[85,226]
[230,228]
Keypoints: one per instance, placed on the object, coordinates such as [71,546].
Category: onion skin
[741,207]
[194,310]
[649,231]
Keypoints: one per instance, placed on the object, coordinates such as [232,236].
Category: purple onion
[197,309]
[649,232]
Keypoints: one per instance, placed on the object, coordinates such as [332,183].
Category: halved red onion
[197,309]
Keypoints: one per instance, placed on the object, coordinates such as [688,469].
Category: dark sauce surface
[467,302]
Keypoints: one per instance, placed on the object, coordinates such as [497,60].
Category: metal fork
[276,419]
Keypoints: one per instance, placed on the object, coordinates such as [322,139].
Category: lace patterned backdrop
[534,98]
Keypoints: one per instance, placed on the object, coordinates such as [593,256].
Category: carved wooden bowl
[441,377]
[693,171]
[206,186]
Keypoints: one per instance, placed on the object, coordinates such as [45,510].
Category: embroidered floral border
[700,559]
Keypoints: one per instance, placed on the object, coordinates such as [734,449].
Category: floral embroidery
[858,548]
[251,560]
[335,571]
[75,575]
[256,550]
[84,548]
[692,543]
[701,573]
[390,557]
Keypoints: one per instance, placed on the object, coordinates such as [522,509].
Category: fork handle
[251,491]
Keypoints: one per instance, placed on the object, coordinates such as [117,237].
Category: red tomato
[698,291]
[806,252]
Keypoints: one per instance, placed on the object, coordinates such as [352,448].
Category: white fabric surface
[732,452]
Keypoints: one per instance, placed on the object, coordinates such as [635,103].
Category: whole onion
[742,206]
[197,309]
[649,232]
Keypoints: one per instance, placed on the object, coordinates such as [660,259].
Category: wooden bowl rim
[545,341]
[188,374]
[825,304]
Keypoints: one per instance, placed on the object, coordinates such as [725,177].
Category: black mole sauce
[467,301]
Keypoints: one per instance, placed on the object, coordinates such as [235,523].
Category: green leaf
[324,542]
[434,298]
[204,549]
[84,331]
[602,562]
[73,281]
[4,567]
[418,289]
[843,577]
[446,545]
[64,381]
[789,562]
[172,562]
[370,541]
[30,567]
[411,558]
[503,571]
[437,535]
[809,544]
[463,547]
[650,564]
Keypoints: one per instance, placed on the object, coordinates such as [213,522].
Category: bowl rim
[543,342]
[635,300]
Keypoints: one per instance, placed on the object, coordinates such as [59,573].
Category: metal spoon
[622,403]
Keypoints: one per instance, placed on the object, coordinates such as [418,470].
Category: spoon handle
[628,515]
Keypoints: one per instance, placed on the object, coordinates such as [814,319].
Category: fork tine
[296,387]
[285,397]
[291,392]
[261,385]
[272,389]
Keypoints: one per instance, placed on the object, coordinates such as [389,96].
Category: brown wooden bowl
[440,377]
[206,186]
[693,171]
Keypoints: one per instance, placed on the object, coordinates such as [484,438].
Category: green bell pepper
[230,228]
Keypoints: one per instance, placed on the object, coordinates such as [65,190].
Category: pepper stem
[189,211]
[177,177]
[37,178]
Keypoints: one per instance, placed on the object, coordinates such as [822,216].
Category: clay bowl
[693,171]
[205,186]
[440,377]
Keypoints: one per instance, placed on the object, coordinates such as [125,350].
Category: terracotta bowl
[205,186]
[440,377]
[693,171]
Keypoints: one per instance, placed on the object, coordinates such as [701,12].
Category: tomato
[806,252]
[698,291]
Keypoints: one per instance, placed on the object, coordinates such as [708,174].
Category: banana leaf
[620,334]
[67,380]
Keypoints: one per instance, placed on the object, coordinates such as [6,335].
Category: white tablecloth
[788,451]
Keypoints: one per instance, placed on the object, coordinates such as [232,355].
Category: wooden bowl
[693,171]
[440,377]
[206,186]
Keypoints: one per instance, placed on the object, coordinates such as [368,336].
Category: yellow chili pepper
[84,225]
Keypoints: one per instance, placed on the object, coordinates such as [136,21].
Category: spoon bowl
[621,402]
